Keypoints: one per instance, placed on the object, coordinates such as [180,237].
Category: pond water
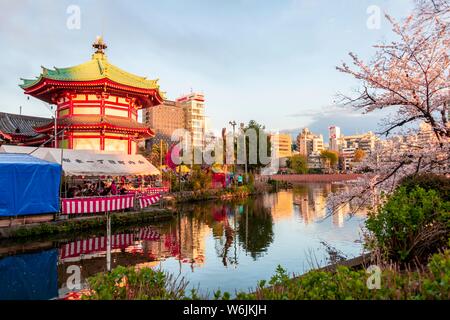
[213,245]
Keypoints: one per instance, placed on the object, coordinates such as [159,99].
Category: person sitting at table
[113,188]
[122,189]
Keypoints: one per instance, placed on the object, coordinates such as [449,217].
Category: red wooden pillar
[129,144]
[102,140]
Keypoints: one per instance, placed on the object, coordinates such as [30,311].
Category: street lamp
[233,124]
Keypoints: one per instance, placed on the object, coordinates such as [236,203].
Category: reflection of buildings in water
[283,205]
[312,201]
[340,214]
[144,247]
[192,234]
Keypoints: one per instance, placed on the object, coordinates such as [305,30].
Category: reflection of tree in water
[255,228]
[224,233]
[228,222]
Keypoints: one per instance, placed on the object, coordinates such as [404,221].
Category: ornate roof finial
[99,45]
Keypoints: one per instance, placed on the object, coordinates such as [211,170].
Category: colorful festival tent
[89,162]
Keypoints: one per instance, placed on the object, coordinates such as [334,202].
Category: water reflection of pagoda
[97,105]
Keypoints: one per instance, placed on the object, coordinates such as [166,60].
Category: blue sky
[272,61]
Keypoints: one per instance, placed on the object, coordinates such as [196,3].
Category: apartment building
[281,145]
[164,120]
[187,112]
[308,142]
[193,105]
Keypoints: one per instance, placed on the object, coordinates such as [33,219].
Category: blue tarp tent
[28,185]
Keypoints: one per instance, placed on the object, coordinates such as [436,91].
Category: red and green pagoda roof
[96,75]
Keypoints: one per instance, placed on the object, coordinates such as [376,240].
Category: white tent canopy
[89,163]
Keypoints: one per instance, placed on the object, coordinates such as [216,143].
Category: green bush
[347,284]
[428,181]
[431,282]
[298,163]
[411,225]
[130,284]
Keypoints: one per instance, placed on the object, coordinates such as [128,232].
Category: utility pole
[233,124]
[245,151]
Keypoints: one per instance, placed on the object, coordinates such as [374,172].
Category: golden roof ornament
[99,45]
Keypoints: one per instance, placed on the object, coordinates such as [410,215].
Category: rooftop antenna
[20,110]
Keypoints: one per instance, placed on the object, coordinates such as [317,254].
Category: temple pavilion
[97,104]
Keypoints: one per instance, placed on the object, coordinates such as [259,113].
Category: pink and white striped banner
[94,245]
[149,234]
[96,204]
[77,248]
[146,201]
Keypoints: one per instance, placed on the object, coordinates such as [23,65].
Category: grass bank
[81,225]
[431,282]
[211,194]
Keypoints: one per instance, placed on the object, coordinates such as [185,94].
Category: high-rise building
[164,119]
[365,141]
[282,145]
[193,105]
[308,142]
[186,112]
[425,134]
[335,135]
[349,144]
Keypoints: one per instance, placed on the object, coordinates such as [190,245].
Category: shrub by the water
[347,284]
[428,181]
[413,224]
[130,284]
[433,282]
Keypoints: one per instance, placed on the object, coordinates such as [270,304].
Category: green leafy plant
[130,284]
[433,282]
[411,225]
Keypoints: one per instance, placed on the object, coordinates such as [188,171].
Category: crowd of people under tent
[107,186]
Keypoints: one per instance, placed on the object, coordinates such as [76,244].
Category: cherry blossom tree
[428,10]
[410,76]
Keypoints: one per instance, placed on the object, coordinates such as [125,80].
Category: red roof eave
[50,127]
[45,85]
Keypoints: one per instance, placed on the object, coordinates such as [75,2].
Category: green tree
[264,135]
[329,158]
[411,225]
[298,163]
[200,179]
[157,154]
